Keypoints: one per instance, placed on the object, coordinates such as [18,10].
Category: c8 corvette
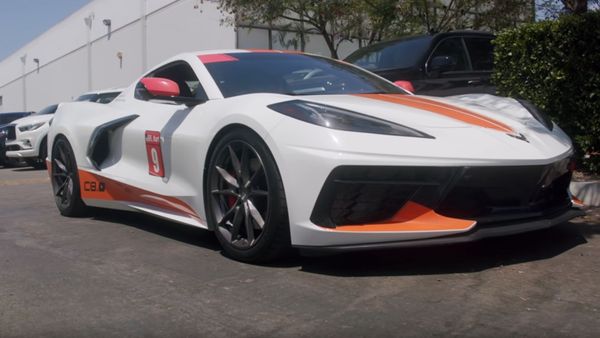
[273,150]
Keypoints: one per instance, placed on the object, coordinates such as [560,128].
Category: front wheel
[40,161]
[246,204]
[65,180]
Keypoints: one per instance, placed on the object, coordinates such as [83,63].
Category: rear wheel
[245,199]
[65,180]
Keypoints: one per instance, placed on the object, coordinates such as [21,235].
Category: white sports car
[273,150]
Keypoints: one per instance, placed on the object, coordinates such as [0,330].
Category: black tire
[65,180]
[237,203]
[40,162]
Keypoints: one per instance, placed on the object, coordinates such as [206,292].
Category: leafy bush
[556,65]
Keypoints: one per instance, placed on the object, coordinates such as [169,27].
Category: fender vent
[99,146]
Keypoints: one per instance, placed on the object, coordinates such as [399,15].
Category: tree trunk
[330,44]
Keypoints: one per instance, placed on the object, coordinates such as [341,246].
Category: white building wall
[182,28]
[108,70]
[77,56]
[169,27]
[258,37]
[253,38]
[60,80]
[12,97]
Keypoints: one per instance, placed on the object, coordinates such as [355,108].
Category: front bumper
[20,151]
[389,206]
[26,145]
[477,233]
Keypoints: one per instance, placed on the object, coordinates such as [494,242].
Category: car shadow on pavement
[458,258]
[175,231]
[449,259]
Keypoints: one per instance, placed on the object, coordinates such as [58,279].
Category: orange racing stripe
[447,110]
[97,187]
[49,168]
[413,217]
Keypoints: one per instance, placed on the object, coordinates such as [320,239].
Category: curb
[587,192]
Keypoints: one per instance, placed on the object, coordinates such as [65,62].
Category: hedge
[556,65]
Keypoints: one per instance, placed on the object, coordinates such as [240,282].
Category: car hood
[464,111]
[32,119]
[474,125]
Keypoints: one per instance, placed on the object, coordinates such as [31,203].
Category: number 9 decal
[155,164]
[154,153]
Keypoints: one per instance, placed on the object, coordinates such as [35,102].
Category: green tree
[553,8]
[376,20]
[335,20]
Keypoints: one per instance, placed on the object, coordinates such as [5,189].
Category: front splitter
[476,234]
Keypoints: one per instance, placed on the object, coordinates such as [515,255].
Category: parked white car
[31,132]
[30,137]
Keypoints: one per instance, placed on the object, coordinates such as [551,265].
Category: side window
[181,73]
[481,53]
[453,50]
[369,60]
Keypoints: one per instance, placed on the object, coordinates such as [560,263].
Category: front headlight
[539,115]
[31,127]
[341,119]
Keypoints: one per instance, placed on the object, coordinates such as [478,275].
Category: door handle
[474,82]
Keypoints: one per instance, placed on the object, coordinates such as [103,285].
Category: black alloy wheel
[245,200]
[65,179]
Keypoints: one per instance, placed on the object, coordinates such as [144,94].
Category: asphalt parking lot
[122,274]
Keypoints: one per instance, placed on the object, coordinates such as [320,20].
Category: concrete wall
[81,53]
[258,37]
[142,32]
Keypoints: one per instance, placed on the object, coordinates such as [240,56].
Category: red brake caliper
[231,200]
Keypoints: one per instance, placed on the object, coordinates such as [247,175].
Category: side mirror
[406,85]
[167,90]
[442,63]
[157,86]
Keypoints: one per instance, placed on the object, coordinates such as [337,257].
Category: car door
[147,140]
[481,57]
[448,70]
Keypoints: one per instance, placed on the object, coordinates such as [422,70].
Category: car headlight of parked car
[341,119]
[538,114]
[31,127]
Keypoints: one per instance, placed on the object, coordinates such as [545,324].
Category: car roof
[431,37]
[232,51]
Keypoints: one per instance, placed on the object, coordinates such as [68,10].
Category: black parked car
[443,64]
[5,119]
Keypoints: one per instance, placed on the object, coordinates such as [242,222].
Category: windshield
[47,111]
[292,74]
[87,97]
[398,54]
[98,98]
